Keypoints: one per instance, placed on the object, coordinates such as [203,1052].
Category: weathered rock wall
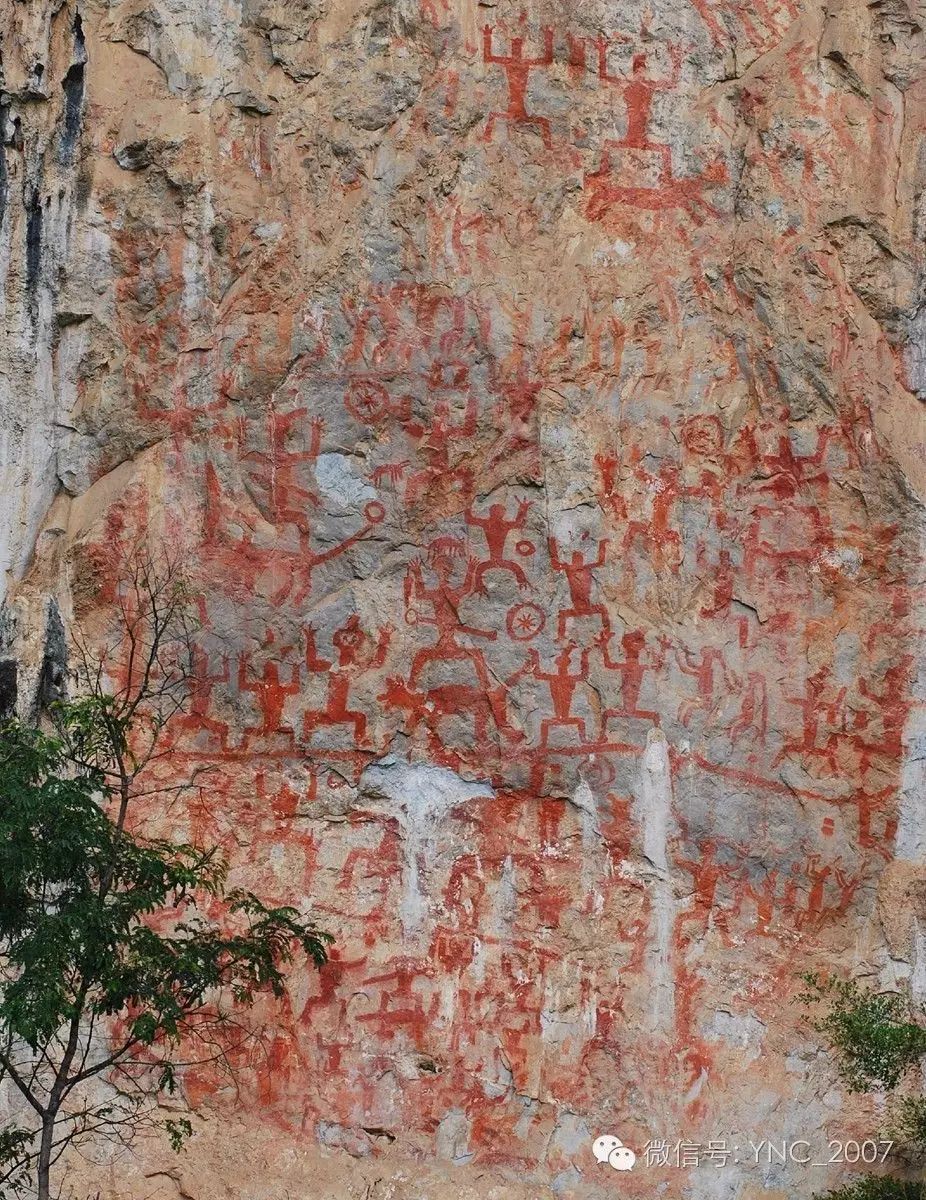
[535,394]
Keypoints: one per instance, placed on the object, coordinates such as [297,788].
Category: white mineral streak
[910,844]
[654,798]
[420,797]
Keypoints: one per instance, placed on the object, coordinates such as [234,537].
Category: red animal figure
[631,182]
[419,714]
[687,193]
[445,599]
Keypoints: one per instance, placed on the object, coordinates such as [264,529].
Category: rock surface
[536,394]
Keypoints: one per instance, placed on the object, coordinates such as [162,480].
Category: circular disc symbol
[366,399]
[600,772]
[525,621]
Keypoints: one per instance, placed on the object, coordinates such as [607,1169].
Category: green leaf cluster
[103,928]
[75,897]
[870,1032]
[908,1125]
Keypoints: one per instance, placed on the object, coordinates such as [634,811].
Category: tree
[112,973]
[875,1041]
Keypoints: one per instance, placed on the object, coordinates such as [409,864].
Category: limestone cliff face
[536,395]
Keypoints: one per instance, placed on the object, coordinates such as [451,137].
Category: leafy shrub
[874,1041]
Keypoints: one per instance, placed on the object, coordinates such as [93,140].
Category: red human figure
[284,801]
[892,707]
[445,599]
[722,583]
[753,714]
[632,670]
[634,184]
[609,495]
[278,469]
[578,574]
[202,683]
[784,536]
[435,442]
[356,653]
[792,474]
[462,250]
[270,693]
[517,69]
[706,874]
[234,548]
[639,91]
[514,417]
[764,899]
[789,893]
[703,672]
[818,875]
[562,684]
[816,702]
[848,887]
[496,528]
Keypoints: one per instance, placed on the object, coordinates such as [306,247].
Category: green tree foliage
[875,1042]
[114,970]
[869,1032]
[908,1126]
